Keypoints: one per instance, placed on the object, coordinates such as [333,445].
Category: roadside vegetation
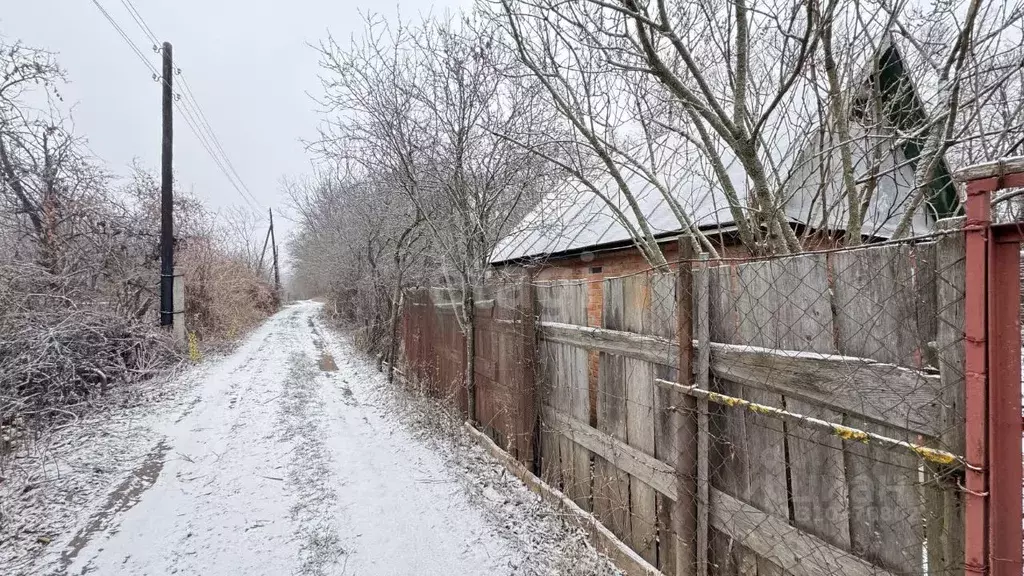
[79,265]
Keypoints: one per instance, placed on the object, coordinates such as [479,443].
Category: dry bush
[224,298]
[79,260]
[60,347]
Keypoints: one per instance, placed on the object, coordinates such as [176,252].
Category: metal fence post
[992,499]
[976,379]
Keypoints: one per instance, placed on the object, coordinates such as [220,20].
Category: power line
[190,116]
[134,12]
[192,101]
[128,40]
[187,91]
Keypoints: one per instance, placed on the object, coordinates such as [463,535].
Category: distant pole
[273,247]
[166,197]
[266,240]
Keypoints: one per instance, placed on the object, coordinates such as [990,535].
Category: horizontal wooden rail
[888,394]
[642,347]
[999,167]
[775,539]
[932,455]
[641,466]
[799,553]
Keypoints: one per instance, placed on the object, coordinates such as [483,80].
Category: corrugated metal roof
[575,219]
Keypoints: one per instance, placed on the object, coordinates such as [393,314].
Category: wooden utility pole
[266,240]
[166,197]
[273,252]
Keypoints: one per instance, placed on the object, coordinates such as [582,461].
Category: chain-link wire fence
[816,428]
[821,430]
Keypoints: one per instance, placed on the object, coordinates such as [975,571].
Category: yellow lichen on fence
[932,455]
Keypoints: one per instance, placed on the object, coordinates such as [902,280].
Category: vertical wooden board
[668,419]
[547,311]
[549,446]
[611,485]
[730,558]
[927,308]
[580,410]
[720,562]
[701,430]
[940,492]
[576,478]
[950,282]
[886,525]
[496,342]
[640,419]
[727,427]
[640,434]
[944,505]
[876,307]
[579,397]
[876,318]
[816,462]
[526,343]
[722,303]
[662,314]
[756,443]
[764,436]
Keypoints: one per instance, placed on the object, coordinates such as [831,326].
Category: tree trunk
[396,312]
[469,326]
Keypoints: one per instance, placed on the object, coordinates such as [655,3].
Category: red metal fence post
[976,378]
[1004,404]
[992,499]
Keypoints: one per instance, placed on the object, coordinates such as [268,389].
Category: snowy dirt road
[285,458]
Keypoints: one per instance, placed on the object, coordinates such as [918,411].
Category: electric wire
[190,116]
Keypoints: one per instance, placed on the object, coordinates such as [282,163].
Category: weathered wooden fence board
[566,387]
[944,522]
[505,392]
[640,416]
[876,307]
[751,464]
[816,465]
[671,433]
[727,458]
[611,482]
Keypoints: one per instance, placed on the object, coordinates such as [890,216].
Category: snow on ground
[289,456]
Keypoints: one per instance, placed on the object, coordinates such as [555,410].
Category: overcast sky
[247,62]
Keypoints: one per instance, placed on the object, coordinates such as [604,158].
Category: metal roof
[575,219]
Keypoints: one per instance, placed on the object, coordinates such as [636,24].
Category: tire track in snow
[309,469]
[217,506]
[286,461]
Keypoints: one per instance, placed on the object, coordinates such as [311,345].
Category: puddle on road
[127,494]
[327,363]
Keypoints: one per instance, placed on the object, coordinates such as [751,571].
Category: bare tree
[426,112]
[810,113]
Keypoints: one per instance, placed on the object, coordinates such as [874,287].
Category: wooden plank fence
[504,384]
[832,441]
